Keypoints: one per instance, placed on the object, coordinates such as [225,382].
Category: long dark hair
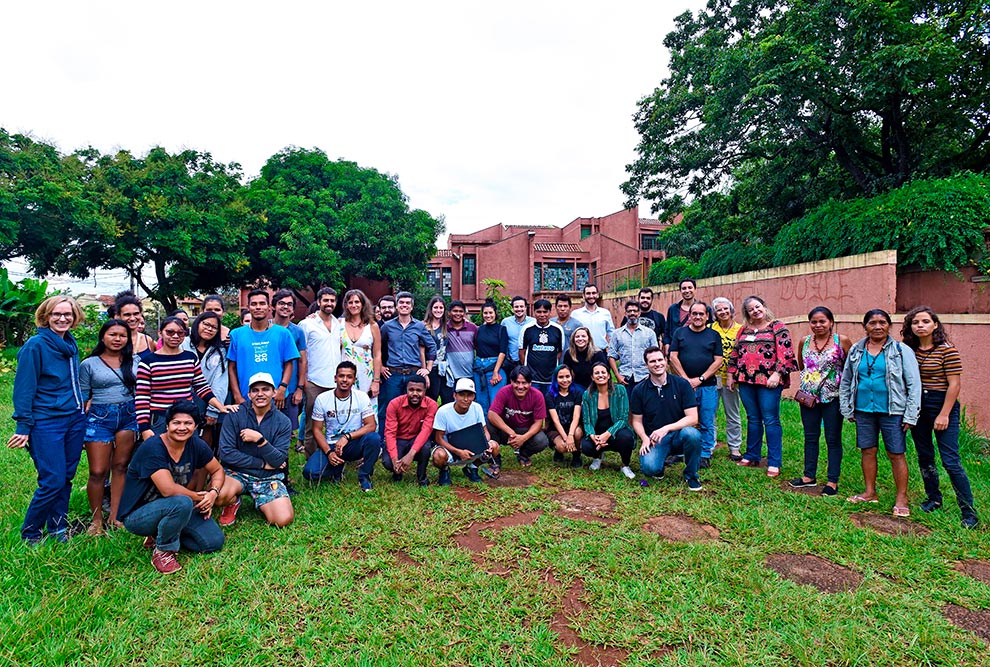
[214,346]
[126,353]
[908,335]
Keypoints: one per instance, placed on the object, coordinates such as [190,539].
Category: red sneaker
[229,514]
[149,542]
[165,562]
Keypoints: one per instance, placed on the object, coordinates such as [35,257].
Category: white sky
[514,112]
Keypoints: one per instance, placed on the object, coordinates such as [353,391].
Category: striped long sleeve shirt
[166,379]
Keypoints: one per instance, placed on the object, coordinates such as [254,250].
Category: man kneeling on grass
[408,429]
[159,501]
[254,449]
[461,434]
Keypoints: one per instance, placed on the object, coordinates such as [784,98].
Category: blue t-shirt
[299,337]
[260,352]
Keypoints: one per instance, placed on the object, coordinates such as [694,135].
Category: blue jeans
[368,447]
[812,419]
[948,450]
[762,414]
[707,398]
[55,446]
[173,522]
[483,367]
[871,425]
[391,387]
[687,441]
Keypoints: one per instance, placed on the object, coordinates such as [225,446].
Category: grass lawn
[390,577]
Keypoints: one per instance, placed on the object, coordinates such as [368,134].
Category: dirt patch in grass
[810,570]
[515,479]
[681,528]
[571,607]
[472,539]
[469,495]
[976,621]
[888,525]
[978,569]
[586,506]
[402,558]
[804,490]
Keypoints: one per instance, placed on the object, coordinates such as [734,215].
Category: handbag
[806,398]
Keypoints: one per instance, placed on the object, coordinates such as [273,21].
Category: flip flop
[860,499]
[902,512]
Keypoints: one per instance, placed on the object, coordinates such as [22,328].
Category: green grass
[329,590]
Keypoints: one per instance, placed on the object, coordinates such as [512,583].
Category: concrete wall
[850,286]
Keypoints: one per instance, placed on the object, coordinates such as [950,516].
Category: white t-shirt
[341,415]
[449,421]
[322,350]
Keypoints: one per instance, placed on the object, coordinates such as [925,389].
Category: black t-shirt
[543,346]
[664,405]
[564,405]
[153,456]
[696,351]
[582,369]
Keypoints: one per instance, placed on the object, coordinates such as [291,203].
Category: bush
[18,301]
[671,270]
[735,257]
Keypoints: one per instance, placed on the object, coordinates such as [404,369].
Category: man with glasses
[262,347]
[285,307]
[696,355]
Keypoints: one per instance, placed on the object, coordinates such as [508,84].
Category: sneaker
[800,483]
[558,457]
[444,478]
[523,460]
[693,483]
[627,471]
[672,459]
[929,505]
[705,463]
[829,490]
[165,562]
[365,484]
[424,482]
[228,515]
[60,536]
[471,473]
[735,455]
[970,520]
[291,490]
[396,477]
[149,542]
[300,447]
[596,464]
[576,460]
[492,470]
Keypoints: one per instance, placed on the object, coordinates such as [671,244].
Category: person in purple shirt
[517,414]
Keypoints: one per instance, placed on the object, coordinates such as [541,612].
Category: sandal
[861,499]
[901,512]
[773,471]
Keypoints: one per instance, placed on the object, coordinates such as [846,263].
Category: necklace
[341,423]
[871,360]
[819,350]
[923,355]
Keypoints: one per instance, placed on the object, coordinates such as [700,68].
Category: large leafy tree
[180,214]
[328,221]
[773,108]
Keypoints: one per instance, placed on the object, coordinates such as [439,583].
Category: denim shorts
[871,426]
[262,490]
[105,420]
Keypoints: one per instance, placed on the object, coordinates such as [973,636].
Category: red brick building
[541,261]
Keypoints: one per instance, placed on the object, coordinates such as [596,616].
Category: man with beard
[323,332]
[625,350]
[597,318]
[408,429]
[679,312]
[648,317]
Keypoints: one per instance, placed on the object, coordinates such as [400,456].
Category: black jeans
[402,447]
[813,419]
[622,441]
[948,450]
[534,445]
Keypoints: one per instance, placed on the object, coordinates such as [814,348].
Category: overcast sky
[515,112]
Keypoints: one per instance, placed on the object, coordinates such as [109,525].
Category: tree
[789,104]
[328,221]
[180,214]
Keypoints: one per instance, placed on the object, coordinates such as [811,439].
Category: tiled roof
[557,247]
[443,253]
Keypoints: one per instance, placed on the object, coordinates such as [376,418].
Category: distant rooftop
[557,247]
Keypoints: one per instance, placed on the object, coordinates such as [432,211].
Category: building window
[583,276]
[585,231]
[649,242]
[469,270]
[433,278]
[558,277]
[445,287]
[537,277]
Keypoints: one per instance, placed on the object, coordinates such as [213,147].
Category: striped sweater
[166,379]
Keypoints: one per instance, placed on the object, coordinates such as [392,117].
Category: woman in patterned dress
[362,343]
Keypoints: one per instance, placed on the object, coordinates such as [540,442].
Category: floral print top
[758,353]
[822,370]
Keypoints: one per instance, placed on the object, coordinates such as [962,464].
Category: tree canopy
[772,109]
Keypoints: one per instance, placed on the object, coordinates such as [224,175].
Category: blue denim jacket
[903,380]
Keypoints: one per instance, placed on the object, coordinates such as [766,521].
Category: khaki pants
[311,391]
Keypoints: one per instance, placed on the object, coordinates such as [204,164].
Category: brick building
[541,261]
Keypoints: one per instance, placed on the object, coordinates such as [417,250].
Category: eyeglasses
[286,304]
[61,316]
[208,327]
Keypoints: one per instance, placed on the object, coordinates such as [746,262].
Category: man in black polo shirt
[664,412]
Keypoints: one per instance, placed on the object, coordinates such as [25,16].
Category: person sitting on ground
[517,416]
[344,430]
[408,427]
[605,410]
[564,416]
[459,421]
[254,449]
[160,501]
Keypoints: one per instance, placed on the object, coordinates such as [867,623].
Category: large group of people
[202,415]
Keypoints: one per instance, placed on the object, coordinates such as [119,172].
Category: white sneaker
[595,464]
[627,471]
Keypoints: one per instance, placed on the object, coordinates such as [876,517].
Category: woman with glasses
[205,341]
[48,410]
[168,376]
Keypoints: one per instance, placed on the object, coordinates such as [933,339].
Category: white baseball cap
[261,377]
[464,384]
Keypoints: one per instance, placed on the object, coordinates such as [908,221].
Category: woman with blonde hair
[48,410]
[362,342]
[581,355]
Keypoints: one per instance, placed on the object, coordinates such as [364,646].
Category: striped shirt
[166,379]
[937,364]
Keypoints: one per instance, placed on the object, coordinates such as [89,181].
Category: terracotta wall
[850,286]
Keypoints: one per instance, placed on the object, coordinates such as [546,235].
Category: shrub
[735,257]
[671,270]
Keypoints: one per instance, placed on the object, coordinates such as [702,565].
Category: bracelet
[283,384]
[213,488]
[376,380]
